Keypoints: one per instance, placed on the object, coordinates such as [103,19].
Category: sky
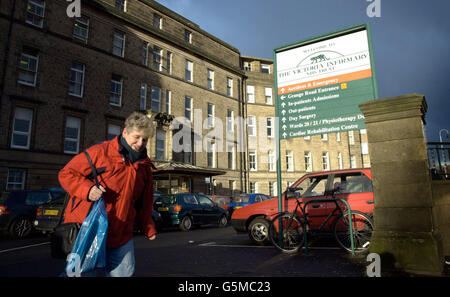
[411,39]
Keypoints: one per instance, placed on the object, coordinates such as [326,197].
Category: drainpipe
[243,134]
[170,184]
[240,153]
[212,190]
[349,149]
[244,106]
[360,149]
[8,45]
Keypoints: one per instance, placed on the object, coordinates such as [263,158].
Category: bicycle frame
[337,208]
[304,219]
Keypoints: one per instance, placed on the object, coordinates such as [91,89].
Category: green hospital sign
[320,83]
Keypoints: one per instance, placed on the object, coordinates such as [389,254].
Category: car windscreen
[58,194]
[260,198]
[313,186]
[241,199]
[166,199]
[222,200]
[37,198]
[58,200]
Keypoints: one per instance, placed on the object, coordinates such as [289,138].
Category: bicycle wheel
[292,233]
[362,231]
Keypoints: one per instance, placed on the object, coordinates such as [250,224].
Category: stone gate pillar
[402,185]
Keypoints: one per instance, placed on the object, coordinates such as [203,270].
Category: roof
[256,59]
[168,37]
[164,10]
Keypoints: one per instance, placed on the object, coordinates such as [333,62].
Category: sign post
[320,82]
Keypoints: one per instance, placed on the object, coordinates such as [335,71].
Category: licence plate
[163,209]
[51,212]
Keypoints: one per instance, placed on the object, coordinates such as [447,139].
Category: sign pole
[372,62]
[278,137]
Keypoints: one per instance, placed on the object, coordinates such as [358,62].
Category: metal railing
[439,160]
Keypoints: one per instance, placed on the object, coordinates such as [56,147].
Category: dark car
[241,200]
[156,194]
[48,215]
[187,209]
[18,209]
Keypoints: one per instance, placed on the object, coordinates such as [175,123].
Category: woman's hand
[95,193]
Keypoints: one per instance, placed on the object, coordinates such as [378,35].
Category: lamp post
[444,161]
[440,136]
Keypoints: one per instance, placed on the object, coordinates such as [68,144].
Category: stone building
[69,83]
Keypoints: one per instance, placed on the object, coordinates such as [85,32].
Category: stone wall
[405,231]
[441,212]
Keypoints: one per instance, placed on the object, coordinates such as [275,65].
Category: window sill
[26,84]
[20,148]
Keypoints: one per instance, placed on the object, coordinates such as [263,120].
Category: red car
[358,192]
[222,201]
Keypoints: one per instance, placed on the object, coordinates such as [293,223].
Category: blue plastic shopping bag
[89,251]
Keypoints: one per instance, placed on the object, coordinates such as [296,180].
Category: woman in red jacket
[126,183]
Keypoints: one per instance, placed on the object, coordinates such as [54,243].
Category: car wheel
[223,221]
[20,227]
[258,231]
[186,223]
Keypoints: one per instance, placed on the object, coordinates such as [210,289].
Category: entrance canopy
[174,177]
[163,170]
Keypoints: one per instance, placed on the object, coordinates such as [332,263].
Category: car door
[194,208]
[211,212]
[356,188]
[313,188]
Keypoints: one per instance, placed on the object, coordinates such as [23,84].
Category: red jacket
[124,183]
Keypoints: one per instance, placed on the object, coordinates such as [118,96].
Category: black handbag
[64,237]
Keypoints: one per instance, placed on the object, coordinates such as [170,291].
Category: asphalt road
[204,252]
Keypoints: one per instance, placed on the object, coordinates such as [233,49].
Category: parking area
[222,252]
[202,252]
